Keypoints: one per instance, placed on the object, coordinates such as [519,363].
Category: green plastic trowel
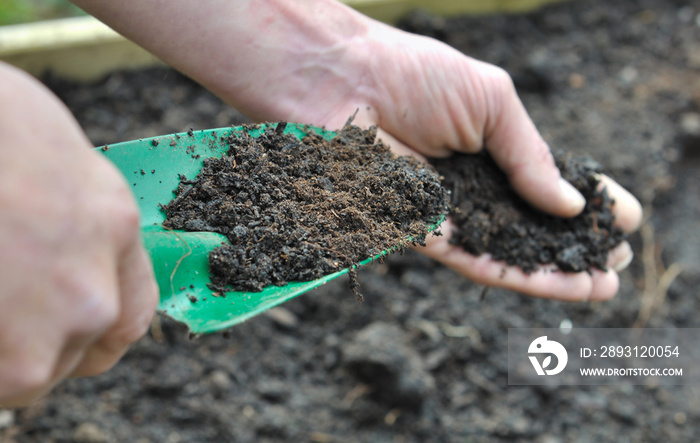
[180,258]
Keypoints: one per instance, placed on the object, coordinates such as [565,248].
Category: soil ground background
[619,80]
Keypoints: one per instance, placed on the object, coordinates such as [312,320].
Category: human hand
[430,100]
[464,105]
[76,287]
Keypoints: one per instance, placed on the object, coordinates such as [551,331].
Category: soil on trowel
[296,210]
[492,218]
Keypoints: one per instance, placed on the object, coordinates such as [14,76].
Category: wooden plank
[389,11]
[85,49]
[79,48]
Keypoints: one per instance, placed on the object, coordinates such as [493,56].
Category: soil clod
[492,218]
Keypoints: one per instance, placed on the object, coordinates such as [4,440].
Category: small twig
[354,283]
[469,332]
[594,215]
[484,383]
[157,330]
[180,197]
[351,118]
[483,293]
[391,416]
[666,280]
[649,265]
[355,393]
[177,265]
[655,287]
[281,126]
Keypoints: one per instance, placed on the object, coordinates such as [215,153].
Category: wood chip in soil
[296,210]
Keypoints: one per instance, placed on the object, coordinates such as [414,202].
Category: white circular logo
[543,346]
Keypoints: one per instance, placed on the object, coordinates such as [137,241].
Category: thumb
[519,150]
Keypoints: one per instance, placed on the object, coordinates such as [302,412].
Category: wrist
[268,58]
[310,51]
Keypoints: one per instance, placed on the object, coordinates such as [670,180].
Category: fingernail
[575,199]
[626,257]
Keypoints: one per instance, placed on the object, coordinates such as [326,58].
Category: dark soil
[422,360]
[296,210]
[492,218]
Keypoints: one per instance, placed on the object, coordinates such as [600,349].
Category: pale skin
[311,62]
[76,287]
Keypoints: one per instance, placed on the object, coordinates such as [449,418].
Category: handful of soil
[493,218]
[295,210]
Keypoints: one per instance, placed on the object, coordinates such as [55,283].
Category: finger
[23,396]
[46,353]
[71,356]
[26,373]
[396,146]
[546,282]
[139,298]
[620,256]
[517,147]
[627,209]
[605,284]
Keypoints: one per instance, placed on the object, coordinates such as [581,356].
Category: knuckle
[115,208]
[152,292]
[539,162]
[125,218]
[93,300]
[125,208]
[127,331]
[500,80]
[114,344]
[105,314]
[101,313]
[129,217]
[133,331]
[542,155]
[499,96]
[128,335]
[24,376]
[96,366]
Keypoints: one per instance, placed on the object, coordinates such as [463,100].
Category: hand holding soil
[322,60]
[76,286]
[481,111]
[490,220]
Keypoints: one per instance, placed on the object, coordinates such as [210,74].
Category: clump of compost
[295,210]
[492,218]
